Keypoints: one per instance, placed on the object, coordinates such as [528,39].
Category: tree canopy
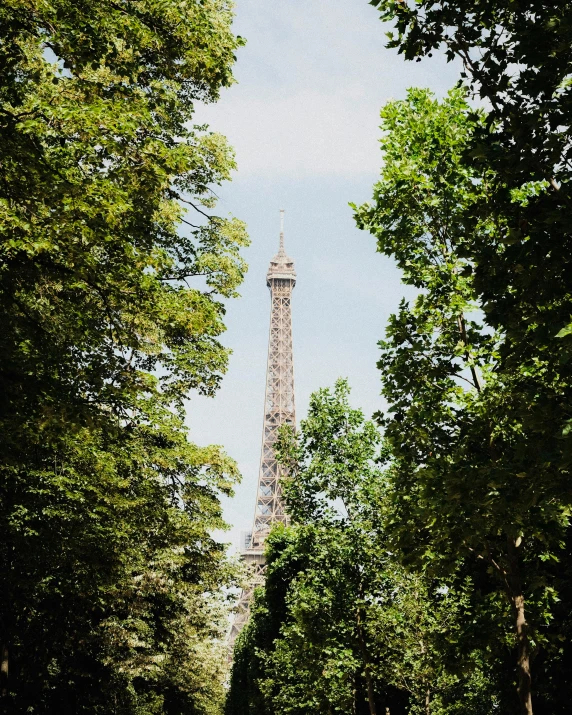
[113,272]
[472,477]
[341,626]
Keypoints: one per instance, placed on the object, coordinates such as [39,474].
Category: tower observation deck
[279,409]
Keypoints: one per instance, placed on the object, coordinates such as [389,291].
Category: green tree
[352,631]
[470,477]
[333,478]
[111,315]
[257,640]
[395,630]
[516,57]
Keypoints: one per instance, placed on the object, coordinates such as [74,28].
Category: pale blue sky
[304,119]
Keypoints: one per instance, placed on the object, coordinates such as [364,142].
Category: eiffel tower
[278,410]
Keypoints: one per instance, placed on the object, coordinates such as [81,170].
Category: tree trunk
[524,688]
[523,647]
[428,702]
[370,692]
[4,670]
[367,671]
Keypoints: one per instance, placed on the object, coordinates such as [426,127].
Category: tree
[332,477]
[398,626]
[352,631]
[257,639]
[111,315]
[470,477]
[516,57]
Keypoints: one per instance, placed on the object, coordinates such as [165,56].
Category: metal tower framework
[279,409]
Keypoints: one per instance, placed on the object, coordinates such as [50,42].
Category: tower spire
[281,230]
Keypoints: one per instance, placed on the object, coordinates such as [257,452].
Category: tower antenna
[282,230]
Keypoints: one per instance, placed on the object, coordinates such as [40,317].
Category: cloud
[302,133]
[311,81]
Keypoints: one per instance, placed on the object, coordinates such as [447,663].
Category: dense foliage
[517,60]
[341,626]
[516,57]
[111,584]
[472,477]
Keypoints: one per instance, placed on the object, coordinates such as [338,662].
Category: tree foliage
[351,630]
[471,478]
[516,58]
[113,268]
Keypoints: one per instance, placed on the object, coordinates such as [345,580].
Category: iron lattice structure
[279,409]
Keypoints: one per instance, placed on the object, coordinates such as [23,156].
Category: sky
[304,121]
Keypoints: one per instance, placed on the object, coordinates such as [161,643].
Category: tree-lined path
[424,565]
